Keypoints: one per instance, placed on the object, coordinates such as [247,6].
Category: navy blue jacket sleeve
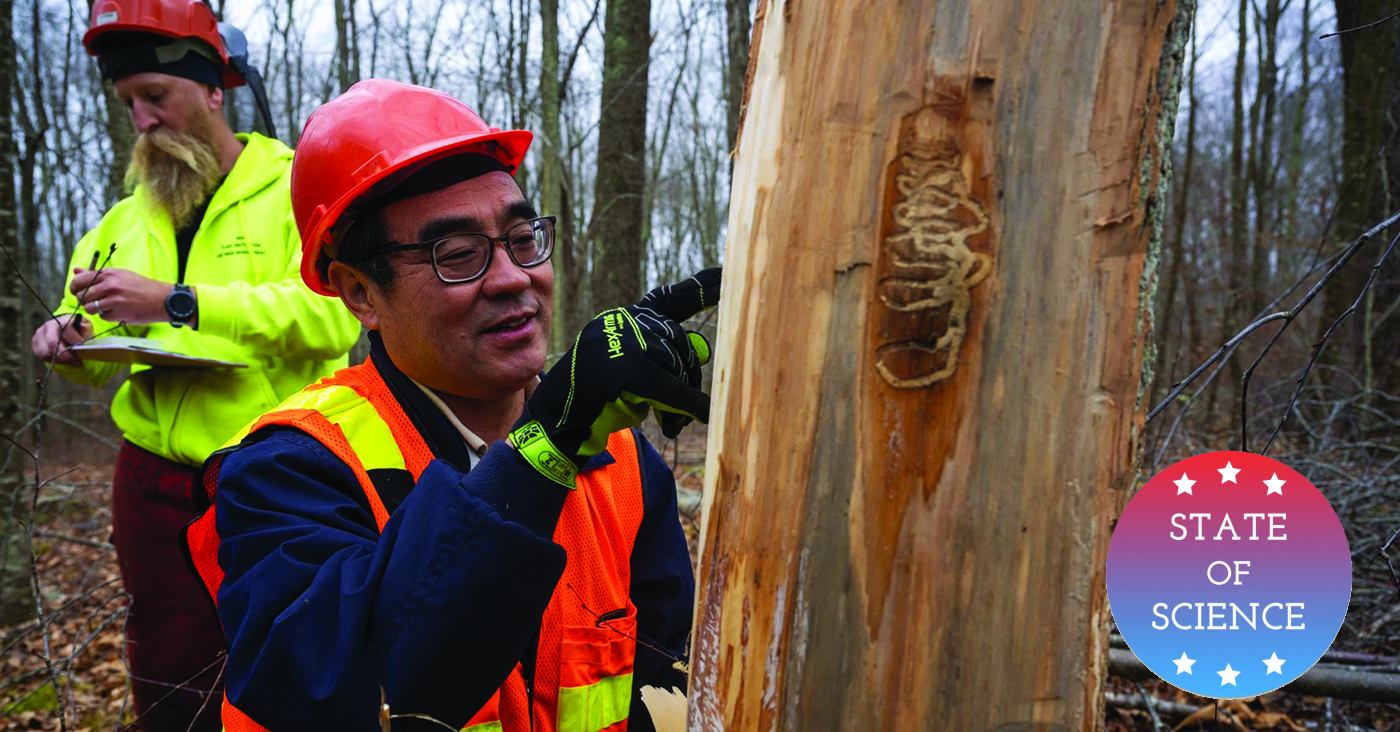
[321,611]
[663,586]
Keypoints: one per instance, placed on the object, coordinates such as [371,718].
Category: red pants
[173,639]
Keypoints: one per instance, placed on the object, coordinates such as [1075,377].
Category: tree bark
[615,231]
[1176,251]
[737,27]
[930,383]
[16,590]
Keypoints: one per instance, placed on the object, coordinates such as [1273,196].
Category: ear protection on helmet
[236,46]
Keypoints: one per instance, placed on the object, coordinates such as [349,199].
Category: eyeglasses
[460,258]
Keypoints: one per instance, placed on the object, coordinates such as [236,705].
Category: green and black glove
[624,362]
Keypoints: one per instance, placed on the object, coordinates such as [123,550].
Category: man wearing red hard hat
[204,258]
[487,547]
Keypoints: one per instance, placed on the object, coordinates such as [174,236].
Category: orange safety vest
[587,643]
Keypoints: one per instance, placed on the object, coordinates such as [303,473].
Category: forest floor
[78,651]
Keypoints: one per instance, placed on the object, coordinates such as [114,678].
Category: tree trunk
[615,231]
[570,308]
[1369,162]
[736,17]
[1232,316]
[1264,156]
[347,63]
[1294,170]
[929,389]
[548,152]
[1176,252]
[121,135]
[16,591]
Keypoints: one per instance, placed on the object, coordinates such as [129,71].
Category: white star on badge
[1184,485]
[1183,664]
[1275,485]
[1275,665]
[1228,676]
[1227,474]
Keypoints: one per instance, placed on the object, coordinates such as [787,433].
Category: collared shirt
[477,445]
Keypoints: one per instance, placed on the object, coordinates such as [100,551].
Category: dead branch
[1150,704]
[73,539]
[1287,316]
[1325,36]
[1317,348]
[1320,680]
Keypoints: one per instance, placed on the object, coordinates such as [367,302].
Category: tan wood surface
[928,377]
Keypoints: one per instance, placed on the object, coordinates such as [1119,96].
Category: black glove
[622,363]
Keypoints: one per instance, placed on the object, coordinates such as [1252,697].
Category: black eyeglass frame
[431,248]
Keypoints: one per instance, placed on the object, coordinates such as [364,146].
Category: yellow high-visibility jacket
[244,264]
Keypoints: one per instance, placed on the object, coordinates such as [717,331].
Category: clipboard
[144,352]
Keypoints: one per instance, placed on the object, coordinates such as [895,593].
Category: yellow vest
[244,264]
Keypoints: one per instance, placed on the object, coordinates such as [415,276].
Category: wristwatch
[180,305]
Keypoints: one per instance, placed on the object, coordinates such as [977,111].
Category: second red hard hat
[173,19]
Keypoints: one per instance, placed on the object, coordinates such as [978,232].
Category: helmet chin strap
[236,45]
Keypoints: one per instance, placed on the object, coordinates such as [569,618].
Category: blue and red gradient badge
[1229,574]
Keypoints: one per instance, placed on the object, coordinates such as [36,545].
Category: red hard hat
[171,18]
[376,134]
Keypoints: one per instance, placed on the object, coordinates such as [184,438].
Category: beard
[179,169]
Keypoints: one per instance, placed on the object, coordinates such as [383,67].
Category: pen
[78,320]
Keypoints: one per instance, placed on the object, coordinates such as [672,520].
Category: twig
[1325,36]
[1288,315]
[90,432]
[1150,706]
[74,539]
[207,698]
[1318,263]
[1218,355]
[182,686]
[1391,565]
[1317,348]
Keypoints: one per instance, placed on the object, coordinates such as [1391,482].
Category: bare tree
[615,230]
[1294,152]
[347,44]
[736,15]
[16,592]
[1237,269]
[1370,168]
[1263,115]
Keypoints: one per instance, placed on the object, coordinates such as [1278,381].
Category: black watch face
[180,305]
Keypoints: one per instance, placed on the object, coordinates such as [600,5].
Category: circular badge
[1229,574]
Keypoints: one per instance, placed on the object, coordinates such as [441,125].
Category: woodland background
[1286,151]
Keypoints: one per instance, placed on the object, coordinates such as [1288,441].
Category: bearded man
[202,257]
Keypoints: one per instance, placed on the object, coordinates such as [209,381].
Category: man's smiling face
[479,340]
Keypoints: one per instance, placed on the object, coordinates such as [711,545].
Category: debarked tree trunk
[930,377]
